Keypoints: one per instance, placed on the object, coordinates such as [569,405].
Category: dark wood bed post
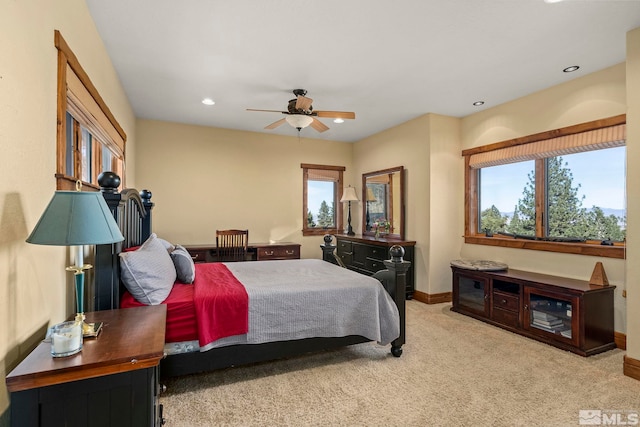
[132,212]
[398,269]
[394,280]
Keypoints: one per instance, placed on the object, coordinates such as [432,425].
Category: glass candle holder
[66,338]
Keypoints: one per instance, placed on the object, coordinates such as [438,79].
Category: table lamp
[77,218]
[349,195]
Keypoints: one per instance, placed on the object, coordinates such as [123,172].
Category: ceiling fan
[301,114]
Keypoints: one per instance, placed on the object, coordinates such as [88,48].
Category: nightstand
[113,381]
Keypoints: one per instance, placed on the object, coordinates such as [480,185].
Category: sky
[317,191]
[601,174]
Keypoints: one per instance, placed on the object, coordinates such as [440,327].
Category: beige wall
[633,194]
[204,178]
[429,149]
[594,96]
[35,291]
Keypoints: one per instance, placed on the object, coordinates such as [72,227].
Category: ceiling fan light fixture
[299,121]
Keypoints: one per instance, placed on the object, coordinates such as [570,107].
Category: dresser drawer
[373,265]
[506,301]
[344,248]
[505,317]
[278,252]
[200,254]
[377,252]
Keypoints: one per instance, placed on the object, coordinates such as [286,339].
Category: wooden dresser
[365,254]
[113,381]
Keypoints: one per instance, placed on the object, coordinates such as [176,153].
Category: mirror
[383,196]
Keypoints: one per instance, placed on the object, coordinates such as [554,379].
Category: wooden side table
[113,381]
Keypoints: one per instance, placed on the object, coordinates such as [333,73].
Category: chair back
[231,245]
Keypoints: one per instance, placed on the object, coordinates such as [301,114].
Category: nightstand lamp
[349,195]
[77,218]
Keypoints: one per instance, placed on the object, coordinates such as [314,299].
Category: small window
[322,190]
[90,140]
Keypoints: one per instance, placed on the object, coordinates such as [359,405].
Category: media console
[567,313]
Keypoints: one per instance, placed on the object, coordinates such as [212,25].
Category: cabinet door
[471,293]
[552,315]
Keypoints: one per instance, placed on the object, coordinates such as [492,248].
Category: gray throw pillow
[148,273]
[185,268]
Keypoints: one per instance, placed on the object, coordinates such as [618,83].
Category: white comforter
[294,299]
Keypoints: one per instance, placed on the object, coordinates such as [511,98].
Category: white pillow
[185,268]
[148,273]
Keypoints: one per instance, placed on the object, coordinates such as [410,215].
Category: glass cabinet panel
[472,294]
[550,314]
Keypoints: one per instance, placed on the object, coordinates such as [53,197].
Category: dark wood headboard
[132,212]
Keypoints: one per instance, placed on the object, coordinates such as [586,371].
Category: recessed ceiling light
[552,1]
[338,120]
[571,69]
[208,101]
[478,103]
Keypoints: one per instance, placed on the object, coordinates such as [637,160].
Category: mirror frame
[400,169]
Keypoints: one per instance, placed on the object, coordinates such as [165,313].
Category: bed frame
[132,212]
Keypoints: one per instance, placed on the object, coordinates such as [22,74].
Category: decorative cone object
[599,277]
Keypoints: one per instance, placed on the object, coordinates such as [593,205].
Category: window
[321,192]
[562,190]
[90,140]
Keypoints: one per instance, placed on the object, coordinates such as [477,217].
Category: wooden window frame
[306,231]
[68,60]
[471,208]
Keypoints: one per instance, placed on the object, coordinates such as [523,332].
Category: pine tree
[325,216]
[310,222]
[565,215]
[491,220]
[524,215]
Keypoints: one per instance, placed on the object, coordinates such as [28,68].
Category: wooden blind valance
[596,139]
[323,173]
[80,103]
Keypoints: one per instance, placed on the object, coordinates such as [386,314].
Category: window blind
[86,110]
[597,139]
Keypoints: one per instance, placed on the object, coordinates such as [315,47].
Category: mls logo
[590,417]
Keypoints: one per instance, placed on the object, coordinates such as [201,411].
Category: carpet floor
[455,371]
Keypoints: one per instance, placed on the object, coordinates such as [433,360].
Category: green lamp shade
[76,218]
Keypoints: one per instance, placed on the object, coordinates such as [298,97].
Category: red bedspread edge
[219,300]
[221,303]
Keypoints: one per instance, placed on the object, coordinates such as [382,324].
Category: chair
[231,245]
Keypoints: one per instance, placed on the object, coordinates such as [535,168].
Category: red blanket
[221,302]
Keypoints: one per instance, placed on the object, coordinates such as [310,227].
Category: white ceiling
[388,61]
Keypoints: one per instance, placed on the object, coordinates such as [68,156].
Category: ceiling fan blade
[275,124]
[303,103]
[335,114]
[268,111]
[318,125]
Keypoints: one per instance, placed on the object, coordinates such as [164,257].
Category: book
[547,322]
[542,315]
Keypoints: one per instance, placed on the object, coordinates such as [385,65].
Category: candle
[66,339]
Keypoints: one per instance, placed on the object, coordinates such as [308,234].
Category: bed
[371,309]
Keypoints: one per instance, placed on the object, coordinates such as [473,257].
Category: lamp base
[89,330]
